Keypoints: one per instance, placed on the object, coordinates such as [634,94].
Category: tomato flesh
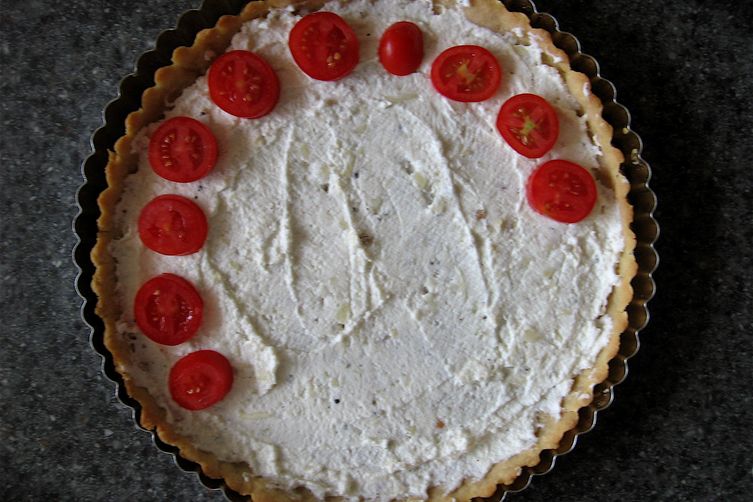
[182,149]
[324,46]
[529,124]
[562,190]
[243,84]
[200,379]
[172,225]
[168,309]
[467,73]
[401,48]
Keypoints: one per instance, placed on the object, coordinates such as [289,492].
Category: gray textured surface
[682,425]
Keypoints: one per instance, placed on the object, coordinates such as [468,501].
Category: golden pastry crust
[188,63]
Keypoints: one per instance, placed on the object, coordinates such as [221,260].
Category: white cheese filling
[397,315]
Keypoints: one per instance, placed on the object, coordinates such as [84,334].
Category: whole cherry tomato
[401,48]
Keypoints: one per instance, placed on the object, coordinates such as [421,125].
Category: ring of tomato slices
[169,310]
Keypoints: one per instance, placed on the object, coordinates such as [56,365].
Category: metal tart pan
[635,169]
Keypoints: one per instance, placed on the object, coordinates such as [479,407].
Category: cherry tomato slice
[401,48]
[172,225]
[529,125]
[182,149]
[562,190]
[467,73]
[168,309]
[324,46]
[200,379]
[243,84]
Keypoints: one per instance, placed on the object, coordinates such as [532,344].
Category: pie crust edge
[188,63]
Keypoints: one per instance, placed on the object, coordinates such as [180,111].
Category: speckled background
[682,425]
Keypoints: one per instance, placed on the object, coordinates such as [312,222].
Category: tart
[403,314]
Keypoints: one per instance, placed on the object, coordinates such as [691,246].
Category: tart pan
[634,168]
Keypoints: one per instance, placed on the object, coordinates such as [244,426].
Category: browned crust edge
[190,62]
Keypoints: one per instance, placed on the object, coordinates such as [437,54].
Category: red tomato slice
[562,190]
[200,379]
[182,149]
[243,84]
[168,309]
[529,125]
[172,225]
[324,46]
[401,48]
[466,73]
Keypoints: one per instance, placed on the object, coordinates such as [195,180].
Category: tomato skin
[200,379]
[168,309]
[401,48]
[529,124]
[466,73]
[243,84]
[182,149]
[562,190]
[324,46]
[172,225]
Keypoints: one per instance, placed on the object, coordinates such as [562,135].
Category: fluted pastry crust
[188,63]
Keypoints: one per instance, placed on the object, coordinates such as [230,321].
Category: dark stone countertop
[681,427]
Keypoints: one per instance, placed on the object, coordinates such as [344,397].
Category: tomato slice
[243,84]
[168,309]
[200,379]
[467,73]
[324,46]
[562,190]
[529,124]
[182,149]
[172,225]
[401,48]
